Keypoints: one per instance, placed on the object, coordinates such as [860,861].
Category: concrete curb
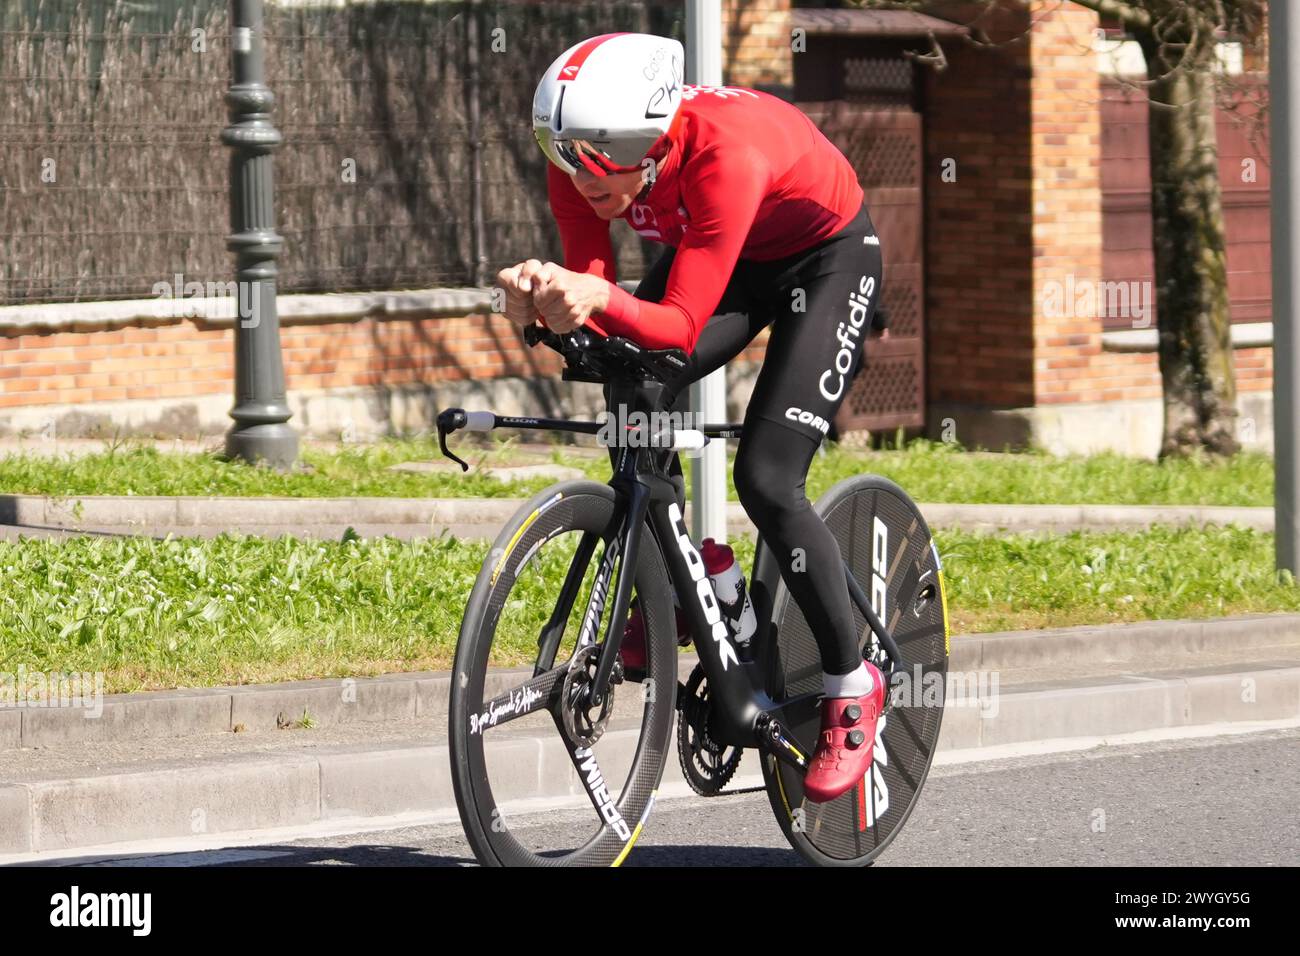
[1148,641]
[249,793]
[178,713]
[149,514]
[256,707]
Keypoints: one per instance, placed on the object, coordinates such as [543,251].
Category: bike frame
[744,715]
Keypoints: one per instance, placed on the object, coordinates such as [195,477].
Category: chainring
[706,764]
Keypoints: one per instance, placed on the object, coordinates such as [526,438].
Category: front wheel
[524,736]
[891,554]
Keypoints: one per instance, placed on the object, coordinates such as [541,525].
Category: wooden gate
[873,122]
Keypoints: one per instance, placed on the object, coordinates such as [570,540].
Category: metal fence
[113,178]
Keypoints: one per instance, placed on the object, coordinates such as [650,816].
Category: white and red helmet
[607,103]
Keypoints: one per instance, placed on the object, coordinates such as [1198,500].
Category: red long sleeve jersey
[750,176]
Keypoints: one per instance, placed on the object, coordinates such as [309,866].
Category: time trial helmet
[607,103]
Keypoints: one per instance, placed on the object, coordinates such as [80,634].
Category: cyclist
[765,224]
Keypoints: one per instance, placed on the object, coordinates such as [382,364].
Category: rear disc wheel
[892,555]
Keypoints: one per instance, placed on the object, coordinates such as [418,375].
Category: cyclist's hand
[567,298]
[518,283]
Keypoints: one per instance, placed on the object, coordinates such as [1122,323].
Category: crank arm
[779,744]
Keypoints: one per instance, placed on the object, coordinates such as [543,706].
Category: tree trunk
[1191,271]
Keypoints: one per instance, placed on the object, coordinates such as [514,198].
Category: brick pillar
[979,246]
[1013,204]
[756,43]
[1065,137]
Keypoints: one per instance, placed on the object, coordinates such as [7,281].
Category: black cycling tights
[819,303]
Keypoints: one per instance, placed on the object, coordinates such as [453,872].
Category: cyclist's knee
[768,486]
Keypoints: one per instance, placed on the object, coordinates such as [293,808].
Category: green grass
[350,471]
[234,609]
[934,471]
[929,471]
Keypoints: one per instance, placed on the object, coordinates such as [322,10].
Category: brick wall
[1069,362]
[80,368]
[1065,157]
[1021,120]
[756,43]
[183,361]
[1020,123]
[978,243]
[75,373]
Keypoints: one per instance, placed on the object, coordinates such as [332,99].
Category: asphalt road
[1219,801]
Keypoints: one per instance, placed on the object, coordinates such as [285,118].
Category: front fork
[630,535]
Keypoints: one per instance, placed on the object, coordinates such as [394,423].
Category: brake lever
[449,421]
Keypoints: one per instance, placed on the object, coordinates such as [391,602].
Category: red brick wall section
[977,226]
[1021,123]
[177,361]
[1069,363]
[756,42]
[118,365]
[1065,141]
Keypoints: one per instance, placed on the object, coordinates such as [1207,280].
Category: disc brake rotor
[583,723]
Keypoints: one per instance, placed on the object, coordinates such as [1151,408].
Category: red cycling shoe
[632,650]
[846,742]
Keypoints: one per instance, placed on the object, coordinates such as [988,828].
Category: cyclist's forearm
[650,324]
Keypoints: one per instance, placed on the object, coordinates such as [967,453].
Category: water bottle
[729,587]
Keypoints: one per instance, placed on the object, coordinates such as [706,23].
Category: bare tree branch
[935,59]
[1126,13]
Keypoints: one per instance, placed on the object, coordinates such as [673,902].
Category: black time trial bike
[539,683]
